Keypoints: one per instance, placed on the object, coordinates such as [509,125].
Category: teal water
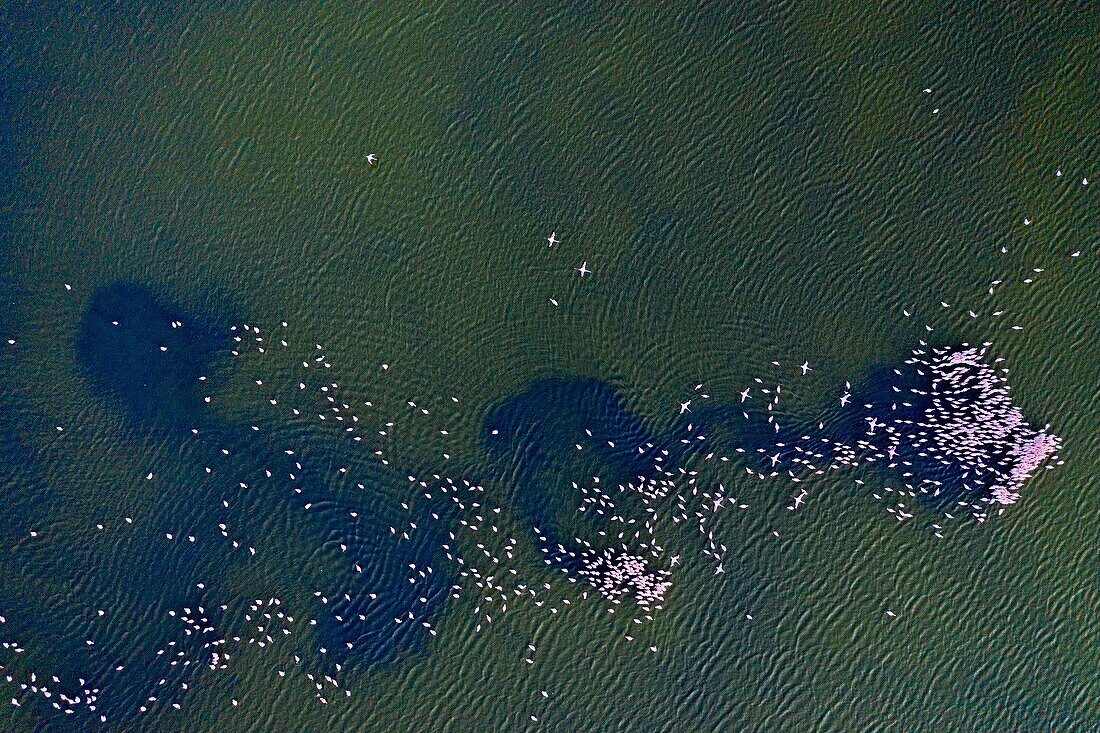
[748,185]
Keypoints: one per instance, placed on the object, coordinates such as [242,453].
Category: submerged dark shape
[147,354]
[148,357]
[388,584]
[944,420]
[967,422]
[533,439]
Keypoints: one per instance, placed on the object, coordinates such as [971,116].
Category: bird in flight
[583,269]
[372,158]
[552,239]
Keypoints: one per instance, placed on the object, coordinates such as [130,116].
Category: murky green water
[746,185]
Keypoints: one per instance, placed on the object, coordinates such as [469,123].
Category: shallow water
[769,183]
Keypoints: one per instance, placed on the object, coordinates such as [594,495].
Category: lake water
[747,185]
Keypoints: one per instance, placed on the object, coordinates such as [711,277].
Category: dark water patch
[12,98]
[940,424]
[298,552]
[320,511]
[531,440]
[943,424]
[557,412]
[730,426]
[376,609]
[136,574]
[140,576]
[885,397]
[576,458]
[148,355]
